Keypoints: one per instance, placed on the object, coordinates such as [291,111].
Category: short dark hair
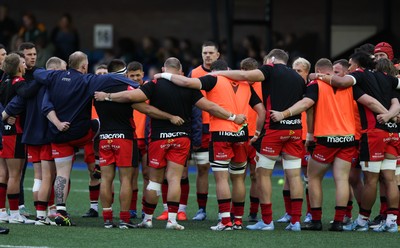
[2,46]
[248,64]
[323,63]
[116,65]
[26,45]
[278,54]
[366,48]
[134,66]
[219,65]
[210,43]
[343,62]
[363,60]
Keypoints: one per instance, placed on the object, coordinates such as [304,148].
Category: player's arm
[193,83]
[261,113]
[155,113]
[4,115]
[310,127]
[295,109]
[373,104]
[16,106]
[333,80]
[41,75]
[217,111]
[392,113]
[61,125]
[122,96]
[239,75]
[28,90]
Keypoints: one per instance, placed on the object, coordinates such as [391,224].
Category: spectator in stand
[65,37]
[31,29]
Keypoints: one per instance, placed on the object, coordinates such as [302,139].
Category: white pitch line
[19,246]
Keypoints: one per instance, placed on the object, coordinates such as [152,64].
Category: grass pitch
[91,233]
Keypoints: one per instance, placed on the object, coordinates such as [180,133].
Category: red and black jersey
[116,119]
[8,90]
[281,88]
[172,99]
[381,87]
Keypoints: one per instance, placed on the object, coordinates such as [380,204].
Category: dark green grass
[90,232]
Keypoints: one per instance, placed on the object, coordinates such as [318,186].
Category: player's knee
[36,185]
[154,186]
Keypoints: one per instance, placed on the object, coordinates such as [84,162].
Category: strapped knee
[264,162]
[237,168]
[36,185]
[291,164]
[220,165]
[371,166]
[154,186]
[388,164]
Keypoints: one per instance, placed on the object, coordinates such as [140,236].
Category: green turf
[90,232]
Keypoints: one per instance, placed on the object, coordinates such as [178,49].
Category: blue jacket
[69,93]
[35,126]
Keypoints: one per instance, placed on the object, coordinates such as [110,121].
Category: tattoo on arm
[59,187]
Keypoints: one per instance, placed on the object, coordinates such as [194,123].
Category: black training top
[281,88]
[172,99]
[379,86]
[116,118]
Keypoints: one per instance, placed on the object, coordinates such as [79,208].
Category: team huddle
[343,116]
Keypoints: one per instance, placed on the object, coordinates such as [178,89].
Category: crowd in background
[63,38]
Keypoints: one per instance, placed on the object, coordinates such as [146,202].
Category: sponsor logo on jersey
[232,134]
[172,135]
[112,136]
[391,125]
[290,122]
[340,139]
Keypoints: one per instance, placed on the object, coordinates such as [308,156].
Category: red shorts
[12,147]
[39,152]
[89,157]
[233,151]
[62,150]
[276,142]
[141,144]
[251,154]
[306,157]
[375,143]
[116,151]
[393,144]
[175,150]
[327,155]
[205,142]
